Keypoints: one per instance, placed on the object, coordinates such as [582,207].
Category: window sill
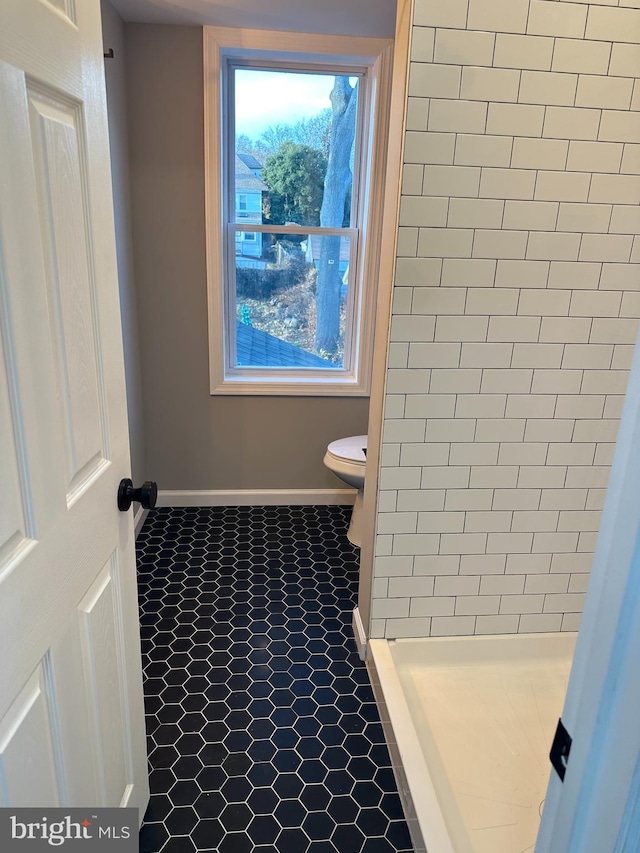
[251,386]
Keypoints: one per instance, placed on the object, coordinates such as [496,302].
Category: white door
[71,710]
[597,807]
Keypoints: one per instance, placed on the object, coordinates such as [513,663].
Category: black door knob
[146,494]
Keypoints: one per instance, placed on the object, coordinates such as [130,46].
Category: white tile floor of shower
[484,711]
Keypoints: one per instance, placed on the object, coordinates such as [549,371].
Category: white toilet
[347,458]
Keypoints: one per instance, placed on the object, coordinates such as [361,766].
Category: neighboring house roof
[256,348]
[246,181]
[250,161]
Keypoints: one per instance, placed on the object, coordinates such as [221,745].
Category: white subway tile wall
[517,298]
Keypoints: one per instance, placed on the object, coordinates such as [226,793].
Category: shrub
[262,284]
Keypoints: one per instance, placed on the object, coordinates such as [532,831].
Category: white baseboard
[359,634]
[258,497]
[139,519]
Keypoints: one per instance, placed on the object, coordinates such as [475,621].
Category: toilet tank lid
[352,448]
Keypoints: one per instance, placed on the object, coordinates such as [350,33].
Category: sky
[265,98]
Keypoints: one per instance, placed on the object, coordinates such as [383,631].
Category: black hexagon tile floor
[263,733]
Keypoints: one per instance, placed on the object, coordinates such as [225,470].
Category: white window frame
[372,57]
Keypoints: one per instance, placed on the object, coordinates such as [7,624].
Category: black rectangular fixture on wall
[560,749]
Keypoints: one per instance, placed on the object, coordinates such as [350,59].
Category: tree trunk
[336,186]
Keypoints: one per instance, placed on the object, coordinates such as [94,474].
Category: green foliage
[295,178]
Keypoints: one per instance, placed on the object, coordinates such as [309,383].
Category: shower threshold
[469,722]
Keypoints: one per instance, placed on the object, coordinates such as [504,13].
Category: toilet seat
[350,450]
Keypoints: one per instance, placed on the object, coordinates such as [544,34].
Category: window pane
[294,147]
[291,300]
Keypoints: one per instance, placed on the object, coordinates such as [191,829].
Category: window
[295,148]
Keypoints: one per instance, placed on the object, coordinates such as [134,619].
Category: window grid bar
[298,230]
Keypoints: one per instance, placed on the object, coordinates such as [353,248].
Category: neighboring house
[252,163]
[249,189]
[312,247]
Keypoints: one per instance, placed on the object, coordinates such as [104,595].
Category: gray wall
[113,37]
[194,440]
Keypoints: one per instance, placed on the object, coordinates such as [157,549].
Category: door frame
[386,276]
[599,801]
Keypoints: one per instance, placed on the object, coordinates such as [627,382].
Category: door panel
[59,155]
[65,7]
[14,492]
[71,706]
[79,780]
[100,618]
[28,772]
